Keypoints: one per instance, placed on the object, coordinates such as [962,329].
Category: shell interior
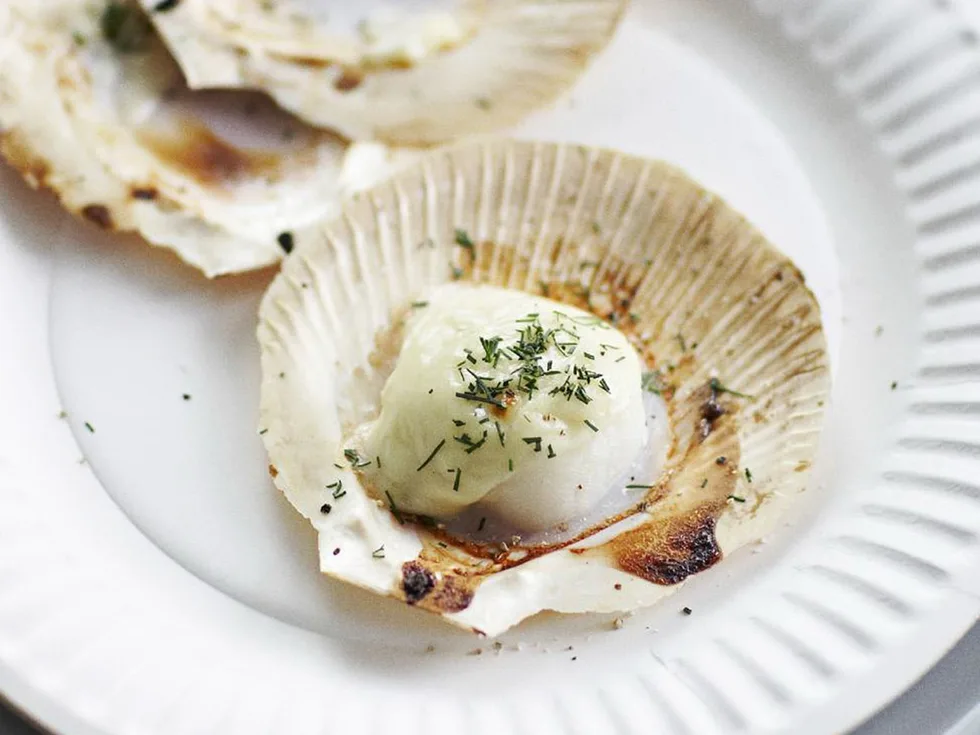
[417,73]
[729,332]
[94,108]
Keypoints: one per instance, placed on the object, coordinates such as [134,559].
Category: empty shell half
[93,108]
[425,72]
[520,377]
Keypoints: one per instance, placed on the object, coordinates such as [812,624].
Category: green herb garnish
[285,240]
[428,459]
[355,459]
[124,27]
[379,553]
[535,441]
[736,498]
[652,382]
[717,387]
[591,425]
[394,508]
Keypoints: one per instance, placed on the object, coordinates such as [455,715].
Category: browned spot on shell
[417,581]
[453,594]
[348,80]
[202,155]
[32,167]
[273,472]
[669,550]
[99,214]
[144,193]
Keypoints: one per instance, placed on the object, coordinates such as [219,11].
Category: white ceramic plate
[160,585]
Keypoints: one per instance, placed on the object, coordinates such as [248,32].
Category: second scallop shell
[428,73]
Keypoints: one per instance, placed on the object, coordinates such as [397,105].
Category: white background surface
[929,708]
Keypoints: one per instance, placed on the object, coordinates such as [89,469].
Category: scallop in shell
[410,73]
[93,107]
[729,336]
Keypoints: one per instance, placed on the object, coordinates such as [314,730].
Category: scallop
[418,72]
[730,357]
[93,107]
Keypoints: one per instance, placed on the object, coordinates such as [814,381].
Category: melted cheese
[530,407]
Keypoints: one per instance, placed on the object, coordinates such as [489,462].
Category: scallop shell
[423,78]
[114,134]
[707,301]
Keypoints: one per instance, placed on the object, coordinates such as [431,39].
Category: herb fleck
[379,553]
[736,498]
[748,474]
[456,480]
[91,429]
[462,239]
[79,38]
[164,5]
[428,459]
[394,508]
[639,487]
[285,240]
[325,508]
[652,382]
[687,611]
[717,387]
[483,522]
[591,425]
[596,227]
[500,432]
[124,27]
[355,459]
